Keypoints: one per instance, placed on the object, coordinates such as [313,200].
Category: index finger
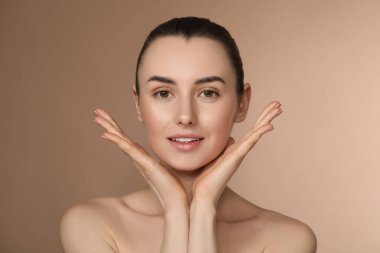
[271,105]
[104,114]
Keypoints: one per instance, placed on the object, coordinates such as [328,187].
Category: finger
[147,164]
[211,165]
[133,150]
[271,105]
[99,120]
[250,140]
[231,141]
[267,118]
[158,178]
[104,114]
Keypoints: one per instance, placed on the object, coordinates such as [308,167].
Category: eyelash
[159,93]
[215,93]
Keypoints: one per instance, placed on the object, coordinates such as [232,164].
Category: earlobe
[137,106]
[244,101]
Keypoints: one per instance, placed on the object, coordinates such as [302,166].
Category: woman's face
[188,101]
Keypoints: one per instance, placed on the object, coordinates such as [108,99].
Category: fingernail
[95,112]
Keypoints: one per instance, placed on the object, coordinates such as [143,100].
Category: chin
[188,162]
[185,166]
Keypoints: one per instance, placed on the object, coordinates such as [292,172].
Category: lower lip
[185,146]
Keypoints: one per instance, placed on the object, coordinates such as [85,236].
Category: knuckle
[125,146]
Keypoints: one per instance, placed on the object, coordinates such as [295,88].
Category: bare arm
[209,186]
[176,232]
[202,228]
[189,230]
[167,188]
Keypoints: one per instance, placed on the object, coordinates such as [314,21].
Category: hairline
[187,39]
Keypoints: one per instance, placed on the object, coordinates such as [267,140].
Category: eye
[209,93]
[162,94]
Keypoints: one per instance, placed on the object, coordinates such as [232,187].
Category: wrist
[176,205]
[202,206]
[202,233]
[176,230]
[177,211]
[206,200]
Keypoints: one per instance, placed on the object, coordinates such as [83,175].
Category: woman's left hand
[210,184]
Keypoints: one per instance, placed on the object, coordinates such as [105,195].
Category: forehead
[178,57]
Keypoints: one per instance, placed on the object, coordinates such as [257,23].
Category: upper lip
[190,136]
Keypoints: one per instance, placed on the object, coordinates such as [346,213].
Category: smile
[185,140]
[185,143]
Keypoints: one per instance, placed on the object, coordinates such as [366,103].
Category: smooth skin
[185,208]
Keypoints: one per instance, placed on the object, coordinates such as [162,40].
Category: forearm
[202,235]
[176,232]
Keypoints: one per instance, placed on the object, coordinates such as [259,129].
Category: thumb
[230,141]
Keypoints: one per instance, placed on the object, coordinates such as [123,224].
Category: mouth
[185,143]
[185,140]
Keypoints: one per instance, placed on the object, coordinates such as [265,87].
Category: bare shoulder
[256,229]
[107,224]
[287,234]
[85,227]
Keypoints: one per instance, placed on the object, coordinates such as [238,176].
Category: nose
[186,113]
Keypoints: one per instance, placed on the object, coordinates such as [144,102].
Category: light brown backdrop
[59,60]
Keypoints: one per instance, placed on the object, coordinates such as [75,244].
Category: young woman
[189,92]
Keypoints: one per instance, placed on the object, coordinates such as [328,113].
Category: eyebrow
[167,80]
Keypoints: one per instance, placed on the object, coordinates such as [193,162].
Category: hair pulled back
[189,27]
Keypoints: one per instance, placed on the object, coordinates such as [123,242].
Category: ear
[244,100]
[137,105]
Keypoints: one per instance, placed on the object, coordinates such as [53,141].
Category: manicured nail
[95,112]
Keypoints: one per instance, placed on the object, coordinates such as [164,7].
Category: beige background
[59,60]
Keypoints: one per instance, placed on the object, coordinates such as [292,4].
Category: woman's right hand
[167,187]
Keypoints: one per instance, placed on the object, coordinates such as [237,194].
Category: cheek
[154,119]
[219,124]
[157,119]
[219,121]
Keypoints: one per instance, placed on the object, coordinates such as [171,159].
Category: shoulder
[287,234]
[269,231]
[85,227]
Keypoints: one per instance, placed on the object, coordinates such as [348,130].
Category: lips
[185,142]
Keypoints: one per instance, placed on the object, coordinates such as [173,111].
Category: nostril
[186,121]
[185,115]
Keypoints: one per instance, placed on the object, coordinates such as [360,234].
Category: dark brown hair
[189,27]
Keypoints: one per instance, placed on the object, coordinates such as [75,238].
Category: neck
[187,179]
